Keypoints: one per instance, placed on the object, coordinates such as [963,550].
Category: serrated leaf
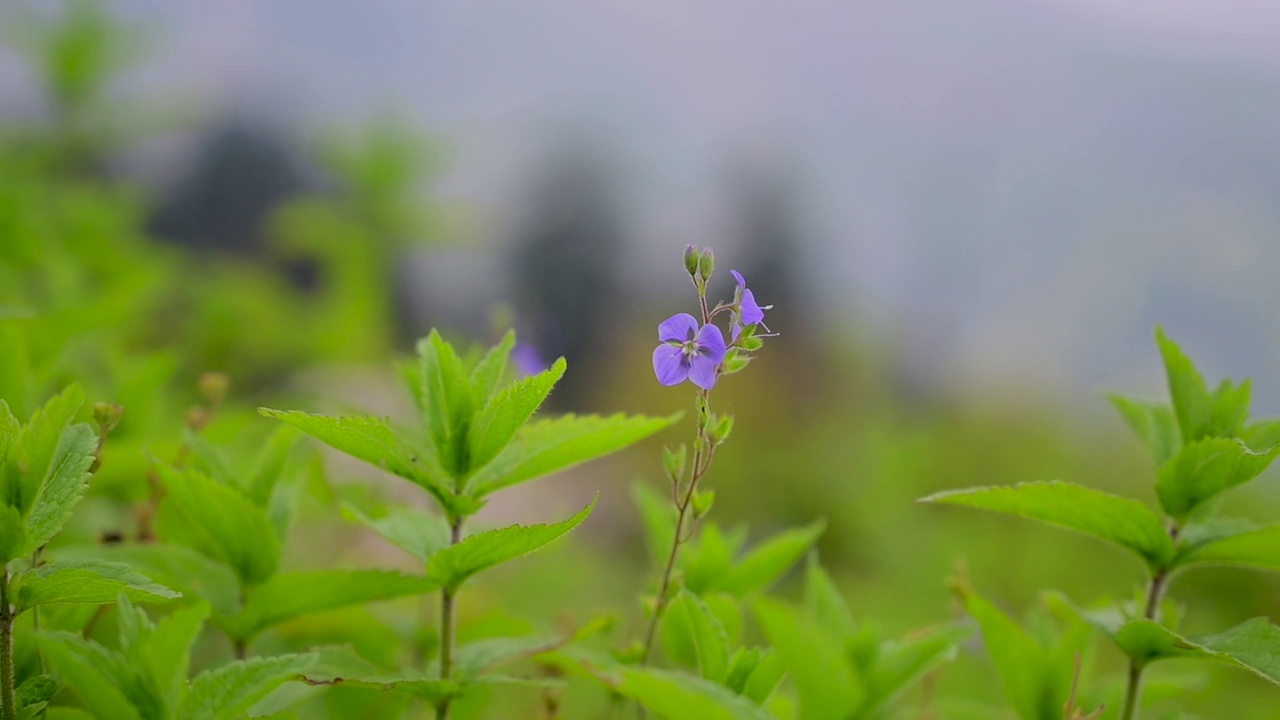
[1254,547]
[94,582]
[418,533]
[167,652]
[1123,521]
[291,595]
[1203,469]
[175,566]
[226,692]
[481,657]
[543,447]
[67,481]
[448,399]
[1201,414]
[488,373]
[373,441]
[341,665]
[454,565]
[90,671]
[507,411]
[828,686]
[218,521]
[36,690]
[38,445]
[768,561]
[1153,423]
[693,635]
[676,696]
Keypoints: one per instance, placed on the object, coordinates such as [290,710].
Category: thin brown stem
[6,651]
[448,633]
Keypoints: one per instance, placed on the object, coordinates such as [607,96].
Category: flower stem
[6,650]
[1133,689]
[704,449]
[448,633]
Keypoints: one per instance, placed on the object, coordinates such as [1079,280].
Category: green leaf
[488,373]
[481,657]
[91,582]
[448,399]
[901,663]
[67,480]
[36,690]
[828,686]
[90,671]
[1201,414]
[823,602]
[175,566]
[1205,468]
[1123,521]
[452,566]
[1262,435]
[1250,646]
[676,696]
[1254,547]
[1027,675]
[506,412]
[693,635]
[270,464]
[13,534]
[38,445]
[768,561]
[373,441]
[292,595]
[418,533]
[340,665]
[212,459]
[543,447]
[166,654]
[226,692]
[659,515]
[218,521]
[1154,423]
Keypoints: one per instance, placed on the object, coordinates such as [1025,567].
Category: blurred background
[968,215]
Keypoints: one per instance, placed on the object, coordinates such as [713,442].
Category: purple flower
[527,359]
[688,352]
[752,313]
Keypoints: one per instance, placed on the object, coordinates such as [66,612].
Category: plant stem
[704,450]
[448,633]
[6,651]
[1133,689]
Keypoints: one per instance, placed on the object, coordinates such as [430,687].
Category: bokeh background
[968,215]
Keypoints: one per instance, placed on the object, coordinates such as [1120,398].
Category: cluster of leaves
[1203,445]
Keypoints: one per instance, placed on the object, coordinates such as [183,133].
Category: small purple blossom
[688,351]
[527,360]
[752,313]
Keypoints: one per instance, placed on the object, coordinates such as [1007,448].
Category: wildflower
[688,351]
[750,310]
[528,361]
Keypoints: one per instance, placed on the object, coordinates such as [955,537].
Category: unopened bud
[107,416]
[691,259]
[674,461]
[706,264]
[213,387]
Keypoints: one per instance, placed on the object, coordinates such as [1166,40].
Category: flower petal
[669,364]
[751,311]
[736,331]
[742,283]
[710,342]
[702,371]
[677,328]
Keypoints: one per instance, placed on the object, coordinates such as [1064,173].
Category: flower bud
[674,462]
[691,259]
[702,502]
[107,416]
[213,387]
[706,264]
